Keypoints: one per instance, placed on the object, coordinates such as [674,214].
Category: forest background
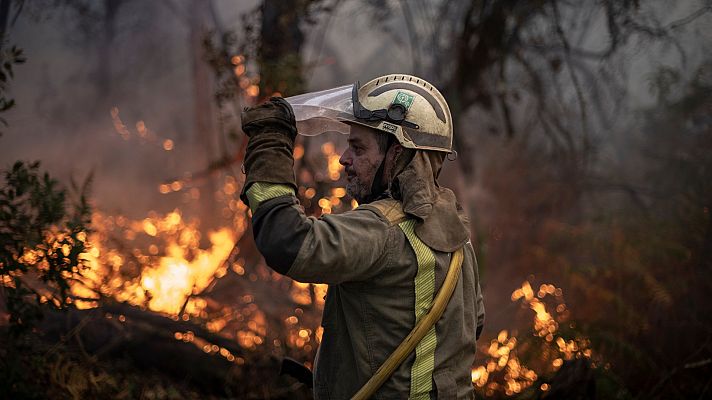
[584,141]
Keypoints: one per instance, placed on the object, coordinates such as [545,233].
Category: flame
[165,283]
[171,271]
[504,372]
[175,278]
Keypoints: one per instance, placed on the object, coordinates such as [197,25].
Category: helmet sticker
[390,127]
[404,99]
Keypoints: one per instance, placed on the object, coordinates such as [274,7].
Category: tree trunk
[4,17]
[103,69]
[280,47]
[204,133]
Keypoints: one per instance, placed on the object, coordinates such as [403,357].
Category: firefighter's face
[361,161]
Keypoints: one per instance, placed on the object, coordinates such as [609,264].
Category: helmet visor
[324,111]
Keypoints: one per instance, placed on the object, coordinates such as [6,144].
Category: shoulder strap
[419,331]
[390,209]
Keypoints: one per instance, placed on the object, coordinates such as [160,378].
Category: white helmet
[409,108]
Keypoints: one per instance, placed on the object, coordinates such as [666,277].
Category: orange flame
[164,283]
[503,371]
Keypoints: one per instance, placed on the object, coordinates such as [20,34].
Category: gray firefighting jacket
[381,279]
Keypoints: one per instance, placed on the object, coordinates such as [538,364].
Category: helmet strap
[377,186]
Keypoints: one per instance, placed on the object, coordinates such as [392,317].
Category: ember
[503,371]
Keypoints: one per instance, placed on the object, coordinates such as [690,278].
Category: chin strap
[377,186]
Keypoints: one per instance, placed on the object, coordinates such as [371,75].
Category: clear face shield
[324,111]
[331,110]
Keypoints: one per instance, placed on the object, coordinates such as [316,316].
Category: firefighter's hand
[273,116]
[272,129]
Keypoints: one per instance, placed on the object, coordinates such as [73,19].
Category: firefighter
[384,261]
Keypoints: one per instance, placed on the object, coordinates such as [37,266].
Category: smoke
[119,102]
[81,83]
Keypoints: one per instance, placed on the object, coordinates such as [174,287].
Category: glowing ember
[333,167]
[503,372]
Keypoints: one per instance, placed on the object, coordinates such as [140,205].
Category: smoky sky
[64,100]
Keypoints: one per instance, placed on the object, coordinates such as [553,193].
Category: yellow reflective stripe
[421,373]
[261,191]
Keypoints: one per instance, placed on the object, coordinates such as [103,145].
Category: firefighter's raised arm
[331,249]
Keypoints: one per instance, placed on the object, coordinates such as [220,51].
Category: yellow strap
[421,373]
[261,191]
[419,331]
[392,210]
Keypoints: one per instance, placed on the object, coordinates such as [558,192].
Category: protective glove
[274,115]
[271,127]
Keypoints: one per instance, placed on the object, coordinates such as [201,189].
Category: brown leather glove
[271,127]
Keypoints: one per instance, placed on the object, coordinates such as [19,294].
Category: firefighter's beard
[360,176]
[357,189]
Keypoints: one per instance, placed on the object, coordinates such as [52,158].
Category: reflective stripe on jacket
[371,262]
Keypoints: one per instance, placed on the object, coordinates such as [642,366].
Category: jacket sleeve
[331,249]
